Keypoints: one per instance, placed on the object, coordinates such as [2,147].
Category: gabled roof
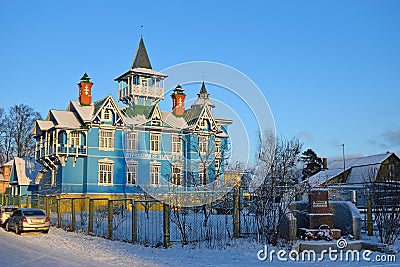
[108,102]
[192,115]
[42,125]
[358,168]
[141,59]
[20,172]
[64,119]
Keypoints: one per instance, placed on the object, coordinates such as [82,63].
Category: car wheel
[17,230]
[46,231]
[8,227]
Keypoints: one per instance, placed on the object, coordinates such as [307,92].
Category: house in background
[361,170]
[5,176]
[102,148]
[18,175]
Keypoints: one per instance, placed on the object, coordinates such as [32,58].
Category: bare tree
[16,132]
[279,188]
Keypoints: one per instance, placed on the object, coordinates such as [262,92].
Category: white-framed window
[217,147]
[155,171]
[176,144]
[106,115]
[106,139]
[177,174]
[203,144]
[105,172]
[155,143]
[202,171]
[75,139]
[131,173]
[132,141]
[217,163]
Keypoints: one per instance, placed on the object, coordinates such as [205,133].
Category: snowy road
[61,248]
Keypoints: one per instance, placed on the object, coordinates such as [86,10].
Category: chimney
[178,101]
[324,164]
[85,90]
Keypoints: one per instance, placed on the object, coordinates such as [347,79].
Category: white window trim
[200,173]
[106,143]
[105,162]
[132,170]
[176,145]
[180,178]
[157,142]
[202,145]
[106,112]
[158,174]
[75,139]
[132,143]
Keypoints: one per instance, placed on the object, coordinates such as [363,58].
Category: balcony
[129,91]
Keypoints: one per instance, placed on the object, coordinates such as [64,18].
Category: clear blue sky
[329,69]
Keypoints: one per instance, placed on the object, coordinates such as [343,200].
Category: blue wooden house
[105,148]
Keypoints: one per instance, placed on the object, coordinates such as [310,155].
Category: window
[107,115]
[202,174]
[203,144]
[217,164]
[131,173]
[75,139]
[155,174]
[177,174]
[154,143]
[106,139]
[132,141]
[176,144]
[144,82]
[217,147]
[105,172]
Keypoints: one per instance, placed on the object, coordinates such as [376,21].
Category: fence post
[19,201]
[134,222]
[38,201]
[110,219]
[236,213]
[2,199]
[28,201]
[91,215]
[369,215]
[73,215]
[58,212]
[166,224]
[47,198]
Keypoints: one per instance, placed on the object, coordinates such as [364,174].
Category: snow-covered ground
[61,248]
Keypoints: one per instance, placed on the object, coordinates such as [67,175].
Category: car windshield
[33,213]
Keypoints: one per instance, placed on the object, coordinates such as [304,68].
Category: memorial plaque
[318,200]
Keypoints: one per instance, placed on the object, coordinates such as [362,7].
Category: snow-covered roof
[171,119]
[84,112]
[45,125]
[65,119]
[20,171]
[8,163]
[361,168]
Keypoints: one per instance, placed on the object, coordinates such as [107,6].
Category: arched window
[62,137]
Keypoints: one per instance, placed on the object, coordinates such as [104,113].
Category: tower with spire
[141,85]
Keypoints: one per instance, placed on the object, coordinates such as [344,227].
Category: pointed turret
[141,85]
[141,59]
[203,97]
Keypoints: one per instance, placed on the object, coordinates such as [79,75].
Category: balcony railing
[139,90]
[61,149]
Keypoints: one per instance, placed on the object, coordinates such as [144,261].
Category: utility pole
[344,160]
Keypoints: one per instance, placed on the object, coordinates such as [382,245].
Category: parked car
[5,213]
[26,219]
